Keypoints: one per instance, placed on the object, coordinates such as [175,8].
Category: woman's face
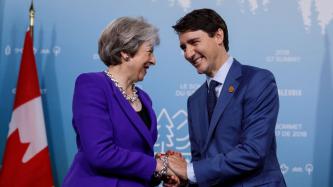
[141,61]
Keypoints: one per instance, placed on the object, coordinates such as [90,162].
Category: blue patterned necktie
[211,98]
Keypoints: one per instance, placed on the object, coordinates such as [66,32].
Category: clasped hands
[173,167]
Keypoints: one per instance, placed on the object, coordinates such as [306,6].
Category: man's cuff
[190,173]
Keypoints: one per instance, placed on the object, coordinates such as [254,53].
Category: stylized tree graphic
[165,133]
[173,133]
[181,134]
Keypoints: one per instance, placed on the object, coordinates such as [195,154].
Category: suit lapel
[229,88]
[132,115]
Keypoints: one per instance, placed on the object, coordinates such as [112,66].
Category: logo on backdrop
[186,89]
[284,168]
[253,5]
[307,168]
[56,50]
[323,10]
[290,130]
[172,132]
[283,56]
[290,92]
[42,91]
[9,50]
[185,4]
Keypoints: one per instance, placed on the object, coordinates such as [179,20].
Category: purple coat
[115,147]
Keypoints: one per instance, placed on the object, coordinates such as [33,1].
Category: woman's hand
[170,179]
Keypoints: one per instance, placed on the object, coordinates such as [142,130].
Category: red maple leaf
[34,173]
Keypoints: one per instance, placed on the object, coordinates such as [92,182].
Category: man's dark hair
[203,19]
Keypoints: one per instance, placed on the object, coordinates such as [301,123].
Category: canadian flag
[26,160]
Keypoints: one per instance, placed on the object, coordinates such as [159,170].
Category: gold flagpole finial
[32,19]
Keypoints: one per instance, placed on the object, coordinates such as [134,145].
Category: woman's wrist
[159,164]
[161,167]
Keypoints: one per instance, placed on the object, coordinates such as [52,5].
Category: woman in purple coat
[113,119]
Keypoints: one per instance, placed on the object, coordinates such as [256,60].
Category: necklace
[130,99]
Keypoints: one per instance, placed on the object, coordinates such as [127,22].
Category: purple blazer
[115,147]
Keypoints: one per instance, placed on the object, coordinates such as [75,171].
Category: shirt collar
[221,74]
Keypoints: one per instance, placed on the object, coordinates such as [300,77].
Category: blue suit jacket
[238,147]
[115,147]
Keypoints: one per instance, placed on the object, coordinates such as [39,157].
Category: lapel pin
[231,89]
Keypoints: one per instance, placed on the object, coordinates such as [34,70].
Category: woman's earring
[126,58]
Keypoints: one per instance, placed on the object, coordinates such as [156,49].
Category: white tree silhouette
[173,133]
[164,126]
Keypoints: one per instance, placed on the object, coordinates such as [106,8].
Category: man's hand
[178,164]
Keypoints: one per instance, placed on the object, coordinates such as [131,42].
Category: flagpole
[32,19]
[26,160]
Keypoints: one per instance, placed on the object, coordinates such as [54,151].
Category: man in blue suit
[232,116]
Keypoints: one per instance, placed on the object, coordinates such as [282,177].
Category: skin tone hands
[177,165]
[171,178]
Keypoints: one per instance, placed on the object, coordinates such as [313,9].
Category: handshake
[171,168]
